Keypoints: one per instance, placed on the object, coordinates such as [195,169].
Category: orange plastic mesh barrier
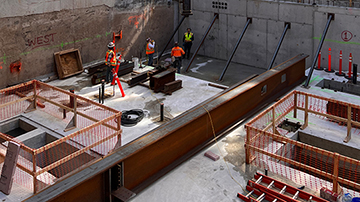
[268,147]
[97,132]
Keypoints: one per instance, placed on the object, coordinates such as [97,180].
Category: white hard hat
[111,45]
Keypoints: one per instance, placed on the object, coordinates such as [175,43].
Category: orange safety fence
[97,133]
[268,147]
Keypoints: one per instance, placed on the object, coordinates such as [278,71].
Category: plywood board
[68,63]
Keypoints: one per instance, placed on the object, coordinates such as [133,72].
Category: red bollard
[350,63]
[340,73]
[329,63]
[116,78]
[319,62]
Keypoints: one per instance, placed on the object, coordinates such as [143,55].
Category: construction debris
[212,156]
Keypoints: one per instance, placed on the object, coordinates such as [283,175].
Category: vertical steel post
[162,112]
[172,36]
[35,95]
[287,26]
[216,16]
[64,113]
[102,91]
[235,48]
[100,95]
[295,104]
[354,77]
[75,111]
[318,50]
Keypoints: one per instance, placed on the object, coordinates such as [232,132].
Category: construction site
[165,100]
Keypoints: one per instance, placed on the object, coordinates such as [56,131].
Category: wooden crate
[68,63]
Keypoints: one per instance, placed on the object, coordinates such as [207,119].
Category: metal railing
[98,133]
[266,145]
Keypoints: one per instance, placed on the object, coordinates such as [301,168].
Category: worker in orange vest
[110,61]
[150,50]
[177,53]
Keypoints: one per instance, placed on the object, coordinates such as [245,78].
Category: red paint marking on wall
[136,18]
[43,40]
[120,50]
[346,35]
[15,66]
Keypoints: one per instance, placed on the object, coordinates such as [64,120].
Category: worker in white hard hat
[150,50]
[110,61]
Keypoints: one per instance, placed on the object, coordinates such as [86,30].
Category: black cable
[126,119]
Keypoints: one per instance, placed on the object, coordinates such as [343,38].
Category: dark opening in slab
[289,126]
[16,127]
[324,162]
[346,87]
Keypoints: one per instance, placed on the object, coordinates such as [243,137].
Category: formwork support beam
[249,21]
[216,16]
[330,18]
[172,36]
[287,26]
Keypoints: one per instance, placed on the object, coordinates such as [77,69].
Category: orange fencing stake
[329,63]
[319,62]
[340,73]
[350,63]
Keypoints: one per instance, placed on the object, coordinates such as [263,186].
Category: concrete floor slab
[194,91]
[201,179]
[210,69]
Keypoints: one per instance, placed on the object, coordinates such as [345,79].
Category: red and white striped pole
[350,63]
[319,62]
[329,63]
[340,73]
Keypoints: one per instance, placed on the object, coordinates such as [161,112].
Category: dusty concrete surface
[210,69]
[32,39]
[140,97]
[201,179]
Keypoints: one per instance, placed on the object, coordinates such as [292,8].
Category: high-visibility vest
[112,60]
[177,52]
[188,36]
[149,50]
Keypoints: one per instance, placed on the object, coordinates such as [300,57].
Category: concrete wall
[32,31]
[261,38]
